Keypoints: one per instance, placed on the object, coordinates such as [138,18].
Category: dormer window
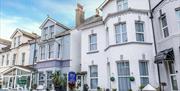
[45,33]
[51,28]
[122,4]
[19,40]
[14,42]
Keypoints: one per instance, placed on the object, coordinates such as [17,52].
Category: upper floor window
[7,58]
[164,26]
[178,17]
[14,59]
[42,52]
[121,33]
[45,32]
[51,50]
[93,42]
[122,4]
[93,77]
[23,58]
[107,36]
[18,40]
[139,31]
[35,55]
[2,62]
[51,31]
[15,42]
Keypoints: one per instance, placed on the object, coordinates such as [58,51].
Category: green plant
[112,79]
[114,89]
[131,78]
[130,90]
[57,79]
[141,86]
[98,89]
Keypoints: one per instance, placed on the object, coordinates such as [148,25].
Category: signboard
[71,77]
[22,80]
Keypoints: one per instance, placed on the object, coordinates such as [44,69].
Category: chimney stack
[79,15]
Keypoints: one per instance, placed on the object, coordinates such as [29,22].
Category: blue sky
[29,14]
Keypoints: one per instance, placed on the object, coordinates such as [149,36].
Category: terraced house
[119,45]
[15,60]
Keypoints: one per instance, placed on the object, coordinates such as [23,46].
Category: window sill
[91,52]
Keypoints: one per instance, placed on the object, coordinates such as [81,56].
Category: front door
[172,76]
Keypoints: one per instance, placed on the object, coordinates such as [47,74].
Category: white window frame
[45,35]
[7,59]
[51,29]
[19,40]
[14,59]
[42,55]
[51,51]
[144,76]
[137,32]
[2,62]
[96,78]
[14,42]
[121,5]
[92,43]
[50,79]
[162,28]
[178,17]
[107,37]
[23,58]
[121,32]
[41,80]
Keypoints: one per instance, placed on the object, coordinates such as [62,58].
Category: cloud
[8,24]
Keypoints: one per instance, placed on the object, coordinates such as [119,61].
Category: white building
[58,49]
[118,44]
[166,21]
[15,61]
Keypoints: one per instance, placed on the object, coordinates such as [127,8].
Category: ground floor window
[144,74]
[41,78]
[49,79]
[93,77]
[123,76]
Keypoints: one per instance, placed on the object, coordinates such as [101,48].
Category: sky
[29,14]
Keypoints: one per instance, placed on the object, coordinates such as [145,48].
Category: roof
[5,42]
[92,19]
[56,22]
[30,35]
[63,33]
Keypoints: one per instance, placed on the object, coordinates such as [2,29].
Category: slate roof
[92,19]
[5,42]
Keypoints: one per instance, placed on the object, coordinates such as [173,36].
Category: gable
[16,32]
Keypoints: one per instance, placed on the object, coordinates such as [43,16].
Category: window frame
[14,59]
[177,10]
[121,5]
[23,58]
[7,59]
[45,35]
[51,51]
[164,27]
[92,43]
[51,29]
[42,54]
[93,77]
[41,80]
[144,76]
[2,62]
[137,32]
[121,26]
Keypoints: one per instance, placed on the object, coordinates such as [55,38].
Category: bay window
[139,26]
[121,33]
[51,50]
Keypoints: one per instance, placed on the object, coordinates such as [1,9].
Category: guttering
[154,38]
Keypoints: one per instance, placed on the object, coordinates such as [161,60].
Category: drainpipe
[154,38]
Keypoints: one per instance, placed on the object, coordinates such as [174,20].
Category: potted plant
[132,78]
[114,89]
[98,89]
[130,90]
[57,81]
[112,79]
[141,87]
